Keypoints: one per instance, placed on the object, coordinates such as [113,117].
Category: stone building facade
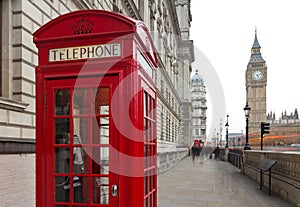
[169,22]
[198,93]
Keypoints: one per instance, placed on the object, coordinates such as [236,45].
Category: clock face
[257,75]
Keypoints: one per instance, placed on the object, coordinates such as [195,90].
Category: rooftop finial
[255,44]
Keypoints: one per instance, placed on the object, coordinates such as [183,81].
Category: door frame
[111,82]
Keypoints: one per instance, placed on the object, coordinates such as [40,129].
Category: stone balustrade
[167,160]
[285,174]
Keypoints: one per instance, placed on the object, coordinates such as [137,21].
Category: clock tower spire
[256,83]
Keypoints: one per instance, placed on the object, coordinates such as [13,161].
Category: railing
[235,157]
[285,174]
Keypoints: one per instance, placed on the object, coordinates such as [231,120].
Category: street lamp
[247,113]
[226,126]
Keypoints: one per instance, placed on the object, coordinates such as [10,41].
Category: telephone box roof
[90,23]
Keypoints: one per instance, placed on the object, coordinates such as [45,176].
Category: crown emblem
[83,26]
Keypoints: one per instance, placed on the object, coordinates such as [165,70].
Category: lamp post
[226,126]
[220,133]
[247,113]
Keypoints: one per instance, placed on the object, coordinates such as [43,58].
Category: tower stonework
[256,83]
[198,94]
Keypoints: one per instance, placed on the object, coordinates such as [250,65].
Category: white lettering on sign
[85,52]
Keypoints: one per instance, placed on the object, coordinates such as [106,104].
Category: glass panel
[101,100]
[101,190]
[81,101]
[62,101]
[101,130]
[81,189]
[145,104]
[62,160]
[145,156]
[145,129]
[81,130]
[104,134]
[62,188]
[149,106]
[152,136]
[145,184]
[104,120]
[149,130]
[62,131]
[100,159]
[104,110]
[152,108]
[104,170]
[80,160]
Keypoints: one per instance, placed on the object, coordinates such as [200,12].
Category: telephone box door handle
[114,190]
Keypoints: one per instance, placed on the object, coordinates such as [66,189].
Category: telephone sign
[85,52]
[95,110]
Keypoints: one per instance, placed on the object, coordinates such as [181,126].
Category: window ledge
[12,104]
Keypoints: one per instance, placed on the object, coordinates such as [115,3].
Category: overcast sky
[224,32]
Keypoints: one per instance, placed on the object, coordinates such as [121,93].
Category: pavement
[211,183]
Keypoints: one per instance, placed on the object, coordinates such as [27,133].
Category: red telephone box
[95,112]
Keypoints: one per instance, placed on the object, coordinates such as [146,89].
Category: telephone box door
[82,143]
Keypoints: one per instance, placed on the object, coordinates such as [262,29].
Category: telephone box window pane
[145,156]
[81,189]
[101,190]
[104,134]
[62,101]
[80,160]
[62,160]
[104,169]
[101,130]
[104,110]
[145,104]
[145,130]
[81,130]
[62,131]
[100,159]
[104,120]
[149,131]
[62,188]
[149,109]
[101,100]
[152,108]
[100,169]
[81,101]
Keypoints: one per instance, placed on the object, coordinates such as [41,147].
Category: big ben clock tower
[256,83]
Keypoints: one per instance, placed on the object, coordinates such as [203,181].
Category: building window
[202,132]
[167,129]
[162,125]
[173,132]
[196,132]
[172,102]
[202,112]
[1,48]
[141,8]
[151,23]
